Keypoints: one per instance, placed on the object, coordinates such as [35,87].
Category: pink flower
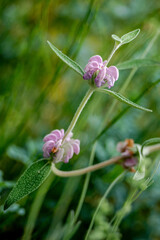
[96,69]
[126,150]
[59,150]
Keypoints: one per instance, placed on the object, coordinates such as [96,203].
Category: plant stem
[74,173]
[101,201]
[130,76]
[78,112]
[113,52]
[82,171]
[152,148]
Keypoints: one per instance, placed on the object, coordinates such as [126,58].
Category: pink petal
[62,132]
[76,148]
[50,137]
[92,66]
[113,71]
[58,143]
[59,155]
[121,146]
[47,148]
[130,162]
[57,133]
[105,62]
[69,150]
[96,58]
[69,136]
[66,159]
[110,80]
[100,77]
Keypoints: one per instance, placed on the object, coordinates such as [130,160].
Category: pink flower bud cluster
[59,150]
[97,69]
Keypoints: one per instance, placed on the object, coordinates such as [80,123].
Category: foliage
[38,93]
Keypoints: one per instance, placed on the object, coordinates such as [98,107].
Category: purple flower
[96,69]
[130,162]
[60,150]
[126,150]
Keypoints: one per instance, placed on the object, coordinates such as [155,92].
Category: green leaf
[29,181]
[75,66]
[137,63]
[123,99]
[149,142]
[128,37]
[115,37]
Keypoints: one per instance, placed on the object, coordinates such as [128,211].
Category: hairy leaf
[75,66]
[137,63]
[128,37]
[120,114]
[123,99]
[115,37]
[29,181]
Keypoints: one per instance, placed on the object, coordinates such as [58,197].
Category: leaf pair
[75,66]
[128,37]
[124,65]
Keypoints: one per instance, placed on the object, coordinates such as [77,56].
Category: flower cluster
[59,150]
[126,149]
[96,69]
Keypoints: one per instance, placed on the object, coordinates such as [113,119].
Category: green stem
[82,171]
[74,173]
[131,75]
[85,186]
[78,112]
[101,201]
[125,210]
[115,48]
[150,149]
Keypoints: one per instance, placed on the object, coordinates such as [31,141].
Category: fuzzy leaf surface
[72,64]
[29,181]
[124,99]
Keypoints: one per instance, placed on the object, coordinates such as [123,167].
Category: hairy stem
[78,112]
[74,173]
[130,76]
[113,52]
[150,149]
[101,201]
[87,169]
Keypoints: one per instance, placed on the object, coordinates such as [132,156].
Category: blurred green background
[39,93]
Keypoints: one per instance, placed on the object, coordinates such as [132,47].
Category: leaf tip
[138,31]
[149,110]
[48,42]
